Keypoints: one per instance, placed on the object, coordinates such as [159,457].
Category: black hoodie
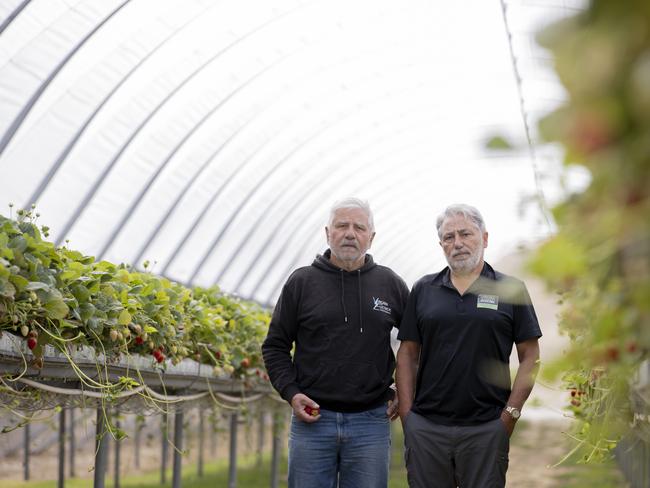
[340,322]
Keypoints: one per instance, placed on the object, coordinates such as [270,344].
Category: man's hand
[508,422]
[299,403]
[391,411]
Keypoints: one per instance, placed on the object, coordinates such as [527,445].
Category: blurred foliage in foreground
[600,258]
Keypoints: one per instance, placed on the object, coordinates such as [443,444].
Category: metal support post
[275,454]
[232,467]
[116,462]
[61,476]
[178,447]
[72,448]
[101,450]
[201,439]
[27,445]
[165,448]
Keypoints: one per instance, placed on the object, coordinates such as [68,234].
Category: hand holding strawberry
[304,408]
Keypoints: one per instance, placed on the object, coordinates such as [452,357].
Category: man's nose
[458,243]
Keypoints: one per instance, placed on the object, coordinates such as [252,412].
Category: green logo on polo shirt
[488,301]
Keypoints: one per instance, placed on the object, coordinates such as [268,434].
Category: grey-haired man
[339,313]
[456,402]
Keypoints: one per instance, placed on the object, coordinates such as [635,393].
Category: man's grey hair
[352,202]
[465,210]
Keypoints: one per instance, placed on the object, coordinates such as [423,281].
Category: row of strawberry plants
[600,258]
[58,296]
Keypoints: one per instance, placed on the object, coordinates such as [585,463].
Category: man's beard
[465,265]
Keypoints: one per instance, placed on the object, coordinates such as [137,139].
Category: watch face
[514,412]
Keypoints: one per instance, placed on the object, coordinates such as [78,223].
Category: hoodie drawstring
[360,303]
[345,312]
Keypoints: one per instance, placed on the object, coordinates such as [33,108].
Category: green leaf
[124,318]
[86,310]
[150,330]
[19,282]
[37,285]
[7,289]
[498,143]
[18,243]
[56,309]
[80,292]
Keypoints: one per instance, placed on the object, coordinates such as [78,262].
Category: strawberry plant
[600,259]
[60,297]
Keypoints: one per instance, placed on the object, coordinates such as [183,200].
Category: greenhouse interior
[169,169]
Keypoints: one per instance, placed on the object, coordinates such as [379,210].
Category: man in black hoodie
[339,313]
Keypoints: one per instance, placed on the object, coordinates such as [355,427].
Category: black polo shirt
[463,374]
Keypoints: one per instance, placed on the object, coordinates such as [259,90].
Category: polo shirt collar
[444,277]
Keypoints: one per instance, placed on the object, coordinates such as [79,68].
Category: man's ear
[485,239]
[327,234]
[371,239]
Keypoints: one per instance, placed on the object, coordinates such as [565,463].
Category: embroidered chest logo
[381,305]
[488,301]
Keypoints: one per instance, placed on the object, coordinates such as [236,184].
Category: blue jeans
[348,450]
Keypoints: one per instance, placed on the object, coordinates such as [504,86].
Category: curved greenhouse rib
[185,189]
[129,212]
[224,229]
[328,172]
[298,254]
[10,18]
[22,115]
[54,168]
[298,202]
[99,181]
[215,242]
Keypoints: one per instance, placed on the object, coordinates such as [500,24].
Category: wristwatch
[514,412]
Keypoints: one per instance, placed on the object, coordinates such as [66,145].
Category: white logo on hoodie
[381,305]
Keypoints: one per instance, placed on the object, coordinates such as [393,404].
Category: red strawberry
[31,343]
[245,363]
[314,412]
[139,340]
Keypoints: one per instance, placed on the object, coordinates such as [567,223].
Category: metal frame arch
[15,13]
[58,162]
[145,188]
[214,154]
[108,168]
[351,111]
[331,171]
[22,115]
[128,214]
[272,237]
[306,242]
[197,221]
[272,262]
[282,276]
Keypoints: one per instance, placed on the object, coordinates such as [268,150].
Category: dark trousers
[444,456]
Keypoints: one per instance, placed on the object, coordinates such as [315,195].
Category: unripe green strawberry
[24,330]
[113,335]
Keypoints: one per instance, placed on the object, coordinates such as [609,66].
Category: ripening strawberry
[245,363]
[314,412]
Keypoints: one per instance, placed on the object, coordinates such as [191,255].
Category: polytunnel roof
[211,137]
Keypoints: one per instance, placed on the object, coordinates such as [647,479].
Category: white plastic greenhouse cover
[211,137]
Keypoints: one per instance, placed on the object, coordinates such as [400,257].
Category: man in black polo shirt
[457,334]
